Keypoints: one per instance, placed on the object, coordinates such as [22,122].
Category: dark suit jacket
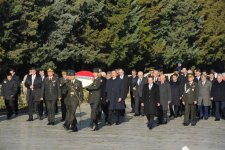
[125,86]
[9,89]
[218,91]
[36,92]
[50,89]
[150,98]
[132,82]
[139,88]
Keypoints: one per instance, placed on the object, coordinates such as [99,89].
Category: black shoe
[217,119]
[30,119]
[62,120]
[53,123]
[95,128]
[65,126]
[200,118]
[9,117]
[185,124]
[206,118]
[74,129]
[49,124]
[136,115]
[193,124]
[40,118]
[117,123]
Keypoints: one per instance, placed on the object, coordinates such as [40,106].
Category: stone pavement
[132,134]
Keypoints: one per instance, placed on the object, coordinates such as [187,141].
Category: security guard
[9,91]
[190,97]
[62,81]
[94,98]
[73,97]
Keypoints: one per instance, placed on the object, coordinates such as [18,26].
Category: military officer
[94,98]
[50,91]
[9,91]
[62,82]
[190,98]
[73,97]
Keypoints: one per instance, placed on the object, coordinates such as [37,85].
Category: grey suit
[204,93]
[138,90]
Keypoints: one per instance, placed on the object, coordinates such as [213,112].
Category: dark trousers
[212,108]
[190,114]
[117,114]
[71,115]
[41,108]
[63,109]
[220,107]
[150,120]
[132,101]
[105,106]
[174,110]
[94,112]
[182,108]
[33,107]
[138,108]
[56,107]
[162,115]
[51,110]
[203,111]
[16,104]
[9,104]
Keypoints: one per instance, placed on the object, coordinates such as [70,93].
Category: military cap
[96,70]
[50,70]
[71,73]
[190,75]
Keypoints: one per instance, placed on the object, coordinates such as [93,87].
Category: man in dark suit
[132,81]
[150,100]
[138,89]
[114,90]
[50,91]
[18,81]
[34,83]
[94,98]
[9,91]
[197,76]
[190,98]
[124,78]
[62,81]
[218,96]
[42,75]
[74,95]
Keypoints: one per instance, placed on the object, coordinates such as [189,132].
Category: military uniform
[62,82]
[50,91]
[190,95]
[94,99]
[9,91]
[74,94]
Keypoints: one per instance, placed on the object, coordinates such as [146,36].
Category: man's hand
[41,99]
[142,104]
[158,104]
[120,99]
[211,98]
[183,102]
[169,102]
[195,102]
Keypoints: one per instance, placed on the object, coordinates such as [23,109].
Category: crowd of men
[194,94]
